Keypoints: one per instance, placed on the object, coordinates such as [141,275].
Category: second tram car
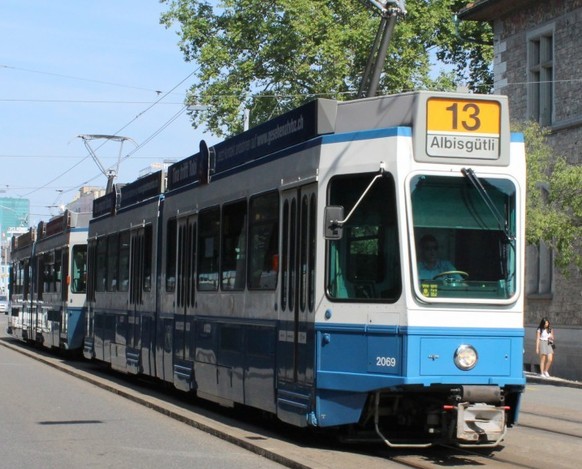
[348,265]
[48,282]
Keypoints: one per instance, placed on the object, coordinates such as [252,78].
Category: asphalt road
[53,420]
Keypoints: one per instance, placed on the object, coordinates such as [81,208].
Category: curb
[552,381]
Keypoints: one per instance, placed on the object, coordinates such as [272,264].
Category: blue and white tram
[48,284]
[21,268]
[282,269]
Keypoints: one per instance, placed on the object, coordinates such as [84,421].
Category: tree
[271,56]
[554,203]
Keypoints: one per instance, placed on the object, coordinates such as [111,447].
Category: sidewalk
[552,380]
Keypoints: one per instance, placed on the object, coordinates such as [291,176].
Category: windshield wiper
[501,220]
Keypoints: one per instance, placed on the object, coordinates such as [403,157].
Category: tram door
[185,293]
[141,298]
[296,338]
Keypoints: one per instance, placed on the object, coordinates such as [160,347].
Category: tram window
[65,275]
[307,253]
[263,241]
[311,260]
[79,269]
[47,268]
[364,265]
[123,261]
[471,227]
[234,218]
[91,272]
[101,276]
[58,272]
[147,259]
[20,278]
[184,263]
[303,248]
[285,257]
[27,278]
[364,262]
[112,261]
[171,246]
[16,279]
[42,275]
[208,249]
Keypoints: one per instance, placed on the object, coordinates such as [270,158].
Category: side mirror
[333,223]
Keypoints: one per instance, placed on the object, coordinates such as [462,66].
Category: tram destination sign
[463,128]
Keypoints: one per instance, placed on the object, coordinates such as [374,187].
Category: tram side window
[124,261]
[91,271]
[112,253]
[171,246]
[79,269]
[50,271]
[234,226]
[28,278]
[40,283]
[20,272]
[58,272]
[208,249]
[184,254]
[101,268]
[307,253]
[364,265]
[65,275]
[27,271]
[264,241]
[147,258]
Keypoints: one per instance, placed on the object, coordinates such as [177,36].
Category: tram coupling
[480,416]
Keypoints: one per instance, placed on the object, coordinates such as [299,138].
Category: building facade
[538,59]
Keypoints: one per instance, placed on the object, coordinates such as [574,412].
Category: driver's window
[364,264]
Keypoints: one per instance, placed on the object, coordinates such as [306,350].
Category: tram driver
[430,266]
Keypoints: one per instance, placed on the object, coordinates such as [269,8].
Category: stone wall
[564,305]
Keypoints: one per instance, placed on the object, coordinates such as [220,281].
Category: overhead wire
[70,77]
[157,132]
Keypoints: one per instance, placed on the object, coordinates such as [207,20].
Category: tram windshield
[464,236]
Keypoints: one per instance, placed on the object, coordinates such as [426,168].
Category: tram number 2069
[389,362]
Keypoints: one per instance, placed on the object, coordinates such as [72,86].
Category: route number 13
[468,118]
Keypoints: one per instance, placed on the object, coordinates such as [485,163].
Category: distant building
[14,216]
[152,168]
[14,213]
[83,201]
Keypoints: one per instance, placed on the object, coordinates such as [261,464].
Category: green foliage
[554,198]
[467,45]
[271,56]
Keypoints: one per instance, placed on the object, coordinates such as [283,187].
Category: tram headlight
[466,357]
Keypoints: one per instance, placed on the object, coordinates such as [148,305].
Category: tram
[48,283]
[347,266]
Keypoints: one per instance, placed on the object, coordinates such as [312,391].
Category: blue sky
[73,67]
